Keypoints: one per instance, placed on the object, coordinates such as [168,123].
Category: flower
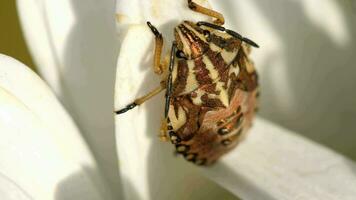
[75,46]
[43,154]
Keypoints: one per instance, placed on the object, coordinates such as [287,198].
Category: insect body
[211,89]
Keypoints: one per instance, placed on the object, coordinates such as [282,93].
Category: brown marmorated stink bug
[211,88]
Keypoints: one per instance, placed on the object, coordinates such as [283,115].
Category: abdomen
[202,134]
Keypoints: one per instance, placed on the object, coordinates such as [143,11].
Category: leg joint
[154,30]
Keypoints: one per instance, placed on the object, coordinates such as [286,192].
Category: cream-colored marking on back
[186,46]
[213,73]
[214,47]
[245,106]
[192,82]
[197,100]
[228,56]
[249,66]
[175,70]
[224,97]
[235,70]
[177,122]
[222,34]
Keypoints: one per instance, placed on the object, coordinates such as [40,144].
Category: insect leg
[169,79]
[141,100]
[163,129]
[157,67]
[228,31]
[200,9]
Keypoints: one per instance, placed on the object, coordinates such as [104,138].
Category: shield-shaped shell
[214,93]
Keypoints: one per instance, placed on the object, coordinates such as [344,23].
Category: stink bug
[210,85]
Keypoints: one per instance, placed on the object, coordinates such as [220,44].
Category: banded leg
[158,68]
[164,84]
[200,9]
[164,129]
[230,32]
[169,79]
[141,100]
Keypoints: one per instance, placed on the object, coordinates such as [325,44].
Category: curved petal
[305,64]
[74,46]
[149,168]
[43,155]
[273,163]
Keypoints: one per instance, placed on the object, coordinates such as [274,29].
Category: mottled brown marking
[176,106]
[247,82]
[204,142]
[224,78]
[186,132]
[210,88]
[203,139]
[211,103]
[201,72]
[233,86]
[217,61]
[181,81]
[202,113]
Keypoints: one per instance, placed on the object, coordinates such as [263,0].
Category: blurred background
[12,42]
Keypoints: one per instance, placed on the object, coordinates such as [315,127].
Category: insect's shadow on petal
[170,176]
[307,86]
[237,182]
[130,190]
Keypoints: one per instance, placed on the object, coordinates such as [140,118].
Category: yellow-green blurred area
[12,42]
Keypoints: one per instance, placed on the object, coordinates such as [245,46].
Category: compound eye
[206,33]
[180,54]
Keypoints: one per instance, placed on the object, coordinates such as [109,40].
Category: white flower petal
[272,163]
[43,155]
[74,46]
[305,62]
[149,168]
